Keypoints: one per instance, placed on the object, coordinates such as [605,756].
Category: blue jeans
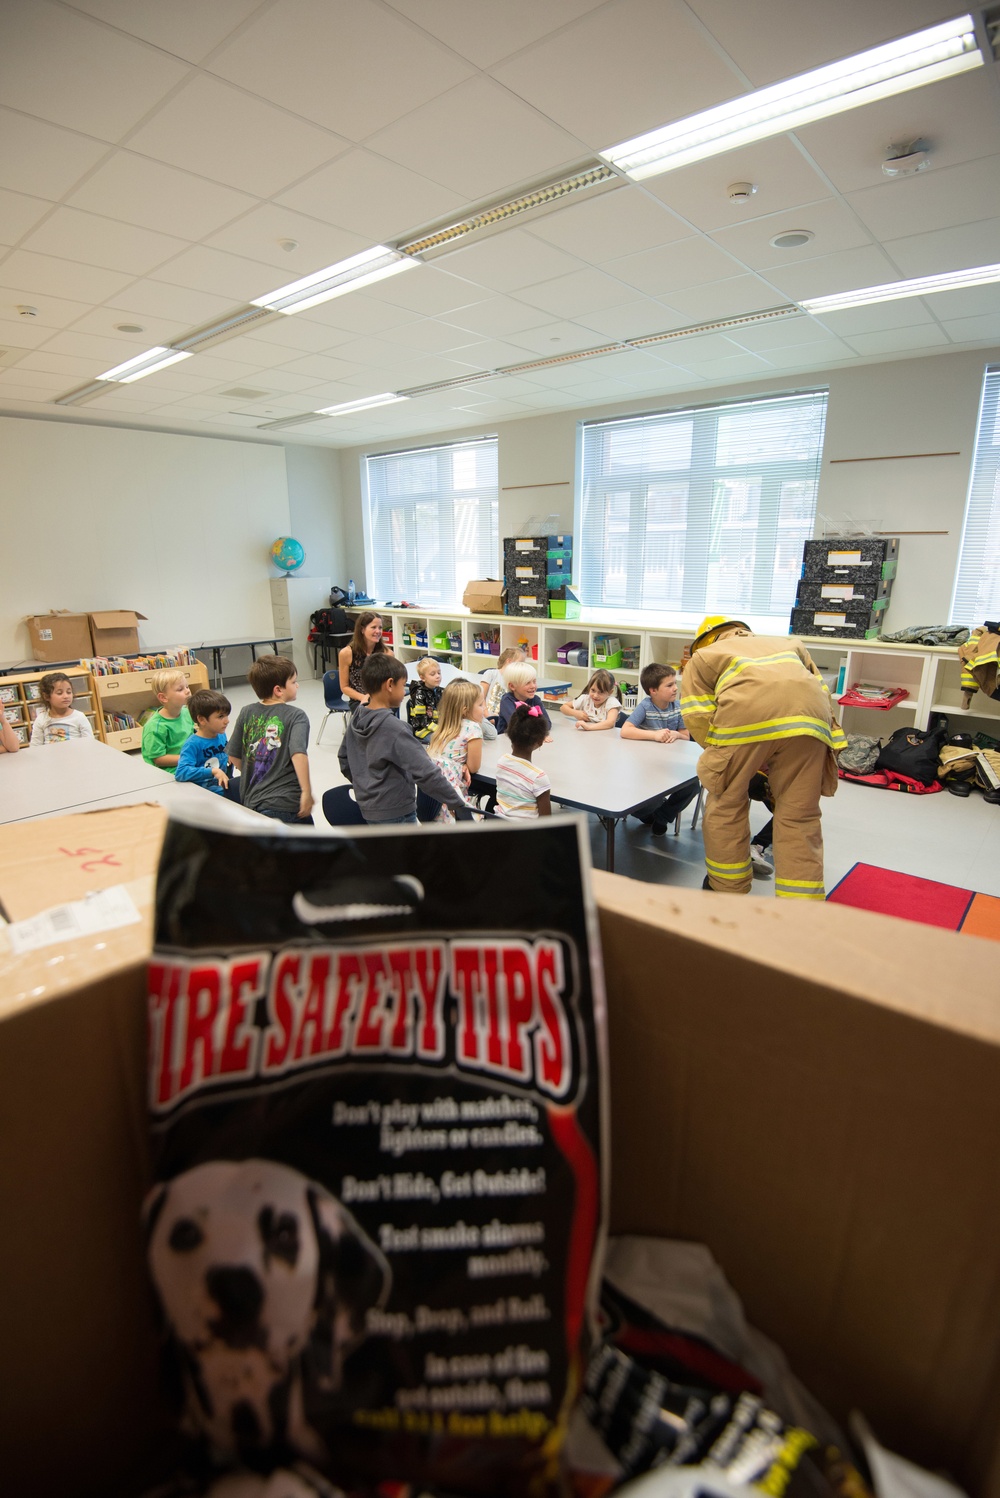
[278,814]
[394,821]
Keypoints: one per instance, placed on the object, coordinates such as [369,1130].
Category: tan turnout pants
[798,772]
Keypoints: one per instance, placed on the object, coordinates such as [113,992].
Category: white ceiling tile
[698,348]
[40,158]
[947,249]
[431,336]
[257,235]
[18,214]
[255,356]
[779,41]
[624,69]
[188,28]
[895,340]
[809,355]
[484,34]
[64,67]
[323,367]
[431,292]
[138,190]
[291,384]
[974,329]
[491,409]
[558,337]
[689,262]
[601,228]
[22,332]
[958,116]
[493,353]
[46,275]
[129,399]
[368,195]
[21,374]
[563,376]
[834,226]
[350,65]
[631,320]
[975,301]
[496,317]
[625,365]
[428,371]
[730,298]
[759,338]
[102,321]
[71,234]
[509,260]
[226,275]
[220,132]
[572,296]
[734,367]
[547,399]
[933,199]
[69,366]
[182,304]
[376,351]
[905,314]
[295,334]
[477,139]
[844,271]
[52,312]
[699,193]
[103,352]
[358,313]
[178,380]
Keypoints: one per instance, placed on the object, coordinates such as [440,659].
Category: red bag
[889,780]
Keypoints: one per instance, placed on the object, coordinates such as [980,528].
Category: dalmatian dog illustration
[265,1281]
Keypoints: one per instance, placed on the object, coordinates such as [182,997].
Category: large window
[431,520]
[700,511]
[977,586]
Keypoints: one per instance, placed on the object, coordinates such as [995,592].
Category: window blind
[702,510]
[977,584]
[432,520]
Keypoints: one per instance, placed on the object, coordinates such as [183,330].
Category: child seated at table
[597,706]
[58,720]
[658,720]
[9,741]
[523,790]
[203,758]
[522,679]
[495,678]
[425,699]
[166,731]
[457,744]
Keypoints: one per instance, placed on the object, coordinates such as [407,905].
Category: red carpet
[925,900]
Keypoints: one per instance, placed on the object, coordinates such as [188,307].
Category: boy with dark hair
[658,719]
[272,739]
[380,756]
[203,759]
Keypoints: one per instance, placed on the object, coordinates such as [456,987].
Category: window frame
[981,516]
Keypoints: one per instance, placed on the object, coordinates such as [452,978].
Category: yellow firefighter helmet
[712,626]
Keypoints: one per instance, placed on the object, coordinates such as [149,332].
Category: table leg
[217,666]
[609,824]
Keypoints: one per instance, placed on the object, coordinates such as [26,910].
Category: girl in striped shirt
[523,790]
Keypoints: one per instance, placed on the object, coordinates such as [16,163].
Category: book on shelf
[121,665]
[118,722]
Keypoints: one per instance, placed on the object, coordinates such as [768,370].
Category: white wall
[175,527]
[906,406]
[315,513]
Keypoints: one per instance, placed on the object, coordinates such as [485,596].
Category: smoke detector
[907,159]
[27,311]
[288,245]
[740,192]
[792,239]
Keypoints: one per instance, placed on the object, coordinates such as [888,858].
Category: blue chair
[334,698]
[341,809]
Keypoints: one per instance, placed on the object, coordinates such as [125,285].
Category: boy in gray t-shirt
[270,742]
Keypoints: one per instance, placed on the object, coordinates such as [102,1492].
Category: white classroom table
[601,772]
[86,775]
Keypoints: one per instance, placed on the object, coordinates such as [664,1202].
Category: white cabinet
[293,600]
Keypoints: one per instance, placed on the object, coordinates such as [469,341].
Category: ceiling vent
[242,393]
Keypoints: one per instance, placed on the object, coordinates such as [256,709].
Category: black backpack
[912,752]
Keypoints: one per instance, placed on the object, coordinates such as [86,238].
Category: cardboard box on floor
[58,636]
[115,631]
[812,1091]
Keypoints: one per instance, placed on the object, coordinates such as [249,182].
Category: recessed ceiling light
[143,364]
[897,291]
[129,327]
[792,239]
[347,275]
[385,399]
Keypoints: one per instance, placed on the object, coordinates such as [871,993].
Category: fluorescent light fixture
[500,213]
[386,399]
[347,275]
[143,364]
[909,62]
[897,291]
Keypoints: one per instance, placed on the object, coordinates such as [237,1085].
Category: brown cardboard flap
[484,596]
[814,1092]
[116,619]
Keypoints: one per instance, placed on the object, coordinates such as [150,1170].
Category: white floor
[938,837]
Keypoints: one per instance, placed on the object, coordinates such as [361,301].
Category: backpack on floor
[888,780]
[913,753]
[860,755]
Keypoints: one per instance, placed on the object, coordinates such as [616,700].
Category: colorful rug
[888,892]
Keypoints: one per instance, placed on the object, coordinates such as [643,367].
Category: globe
[288,553]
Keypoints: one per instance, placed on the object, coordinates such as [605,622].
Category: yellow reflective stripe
[740,662]
[799,883]
[777,728]
[697,704]
[968,680]
[786,894]
[729,870]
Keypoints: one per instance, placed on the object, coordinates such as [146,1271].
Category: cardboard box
[115,632]
[484,596]
[59,636]
[827,1125]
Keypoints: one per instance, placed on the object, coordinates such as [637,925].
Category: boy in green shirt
[165,732]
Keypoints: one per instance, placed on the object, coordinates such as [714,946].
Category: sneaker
[706,883]
[659,829]
[761,861]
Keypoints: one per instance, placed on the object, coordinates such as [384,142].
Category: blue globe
[288,553]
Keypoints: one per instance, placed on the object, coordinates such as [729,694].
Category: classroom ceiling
[158,157]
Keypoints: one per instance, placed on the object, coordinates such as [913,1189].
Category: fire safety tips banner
[377,1099]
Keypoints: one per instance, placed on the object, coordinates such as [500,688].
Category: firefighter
[752,701]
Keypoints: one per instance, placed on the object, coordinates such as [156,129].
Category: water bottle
[351,593]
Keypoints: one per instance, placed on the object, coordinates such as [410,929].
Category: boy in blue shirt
[203,758]
[658,719]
